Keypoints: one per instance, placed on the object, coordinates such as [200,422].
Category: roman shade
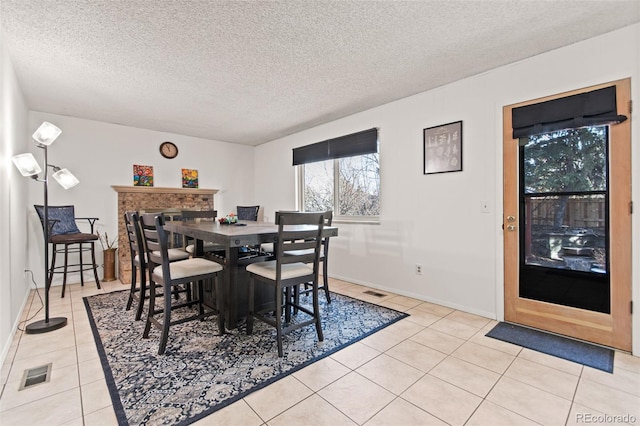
[360,143]
[594,108]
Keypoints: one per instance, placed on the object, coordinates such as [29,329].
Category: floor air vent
[374,293]
[35,376]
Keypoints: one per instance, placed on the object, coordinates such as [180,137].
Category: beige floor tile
[421,317]
[76,422]
[95,396]
[464,375]
[496,344]
[606,399]
[270,401]
[90,371]
[454,328]
[382,340]
[103,417]
[404,328]
[530,402]
[442,342]
[626,362]
[313,410]
[581,415]
[87,351]
[53,342]
[484,357]
[400,412]
[321,373]
[469,319]
[434,309]
[62,379]
[542,377]
[551,361]
[237,414]
[489,413]
[60,358]
[357,397]
[355,355]
[624,380]
[393,375]
[443,400]
[409,302]
[416,355]
[389,304]
[53,410]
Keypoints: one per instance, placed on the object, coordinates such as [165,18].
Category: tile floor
[435,367]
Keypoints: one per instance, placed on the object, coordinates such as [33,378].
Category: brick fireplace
[136,198]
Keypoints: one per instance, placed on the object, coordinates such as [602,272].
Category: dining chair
[198,216]
[139,262]
[247,212]
[297,232]
[168,275]
[63,231]
[324,258]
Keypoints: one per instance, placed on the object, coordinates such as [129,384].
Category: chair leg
[142,295]
[279,319]
[81,265]
[219,304]
[325,280]
[251,306]
[316,311]
[95,265]
[200,285]
[152,307]
[66,262]
[132,289]
[166,321]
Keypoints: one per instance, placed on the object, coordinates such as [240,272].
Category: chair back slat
[301,245]
[153,238]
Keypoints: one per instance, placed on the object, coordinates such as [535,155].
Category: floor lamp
[28,166]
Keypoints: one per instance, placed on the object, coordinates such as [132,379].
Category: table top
[247,233]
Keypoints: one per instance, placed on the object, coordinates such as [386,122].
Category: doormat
[201,371]
[551,344]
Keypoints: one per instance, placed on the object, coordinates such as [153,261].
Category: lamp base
[43,326]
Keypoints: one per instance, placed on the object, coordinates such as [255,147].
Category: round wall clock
[168,150]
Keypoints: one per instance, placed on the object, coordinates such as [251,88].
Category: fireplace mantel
[141,198]
[158,190]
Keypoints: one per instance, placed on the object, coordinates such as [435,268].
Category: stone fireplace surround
[137,198]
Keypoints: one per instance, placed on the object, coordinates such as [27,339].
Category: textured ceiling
[252,71]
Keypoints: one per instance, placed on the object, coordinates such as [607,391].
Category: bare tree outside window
[356,191]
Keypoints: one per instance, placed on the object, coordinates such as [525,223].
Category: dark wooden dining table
[233,241]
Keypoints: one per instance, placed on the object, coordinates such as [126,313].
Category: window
[342,175]
[348,186]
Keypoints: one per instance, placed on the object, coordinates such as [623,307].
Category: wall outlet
[418,269]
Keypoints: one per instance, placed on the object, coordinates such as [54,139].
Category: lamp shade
[27,164]
[46,133]
[65,178]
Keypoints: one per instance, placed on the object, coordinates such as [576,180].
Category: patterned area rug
[202,372]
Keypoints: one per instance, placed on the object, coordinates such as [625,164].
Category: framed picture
[189,178]
[142,175]
[443,148]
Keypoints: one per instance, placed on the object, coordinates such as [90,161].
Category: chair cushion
[289,270]
[73,238]
[301,252]
[65,217]
[188,268]
[174,254]
[207,246]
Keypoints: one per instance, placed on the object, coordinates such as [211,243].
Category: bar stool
[63,231]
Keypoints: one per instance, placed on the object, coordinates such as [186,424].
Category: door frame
[612,329]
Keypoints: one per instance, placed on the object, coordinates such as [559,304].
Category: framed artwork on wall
[189,178]
[142,175]
[443,148]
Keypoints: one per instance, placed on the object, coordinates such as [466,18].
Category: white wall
[436,220]
[101,155]
[13,224]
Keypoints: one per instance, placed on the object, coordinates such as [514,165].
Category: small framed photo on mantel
[443,148]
